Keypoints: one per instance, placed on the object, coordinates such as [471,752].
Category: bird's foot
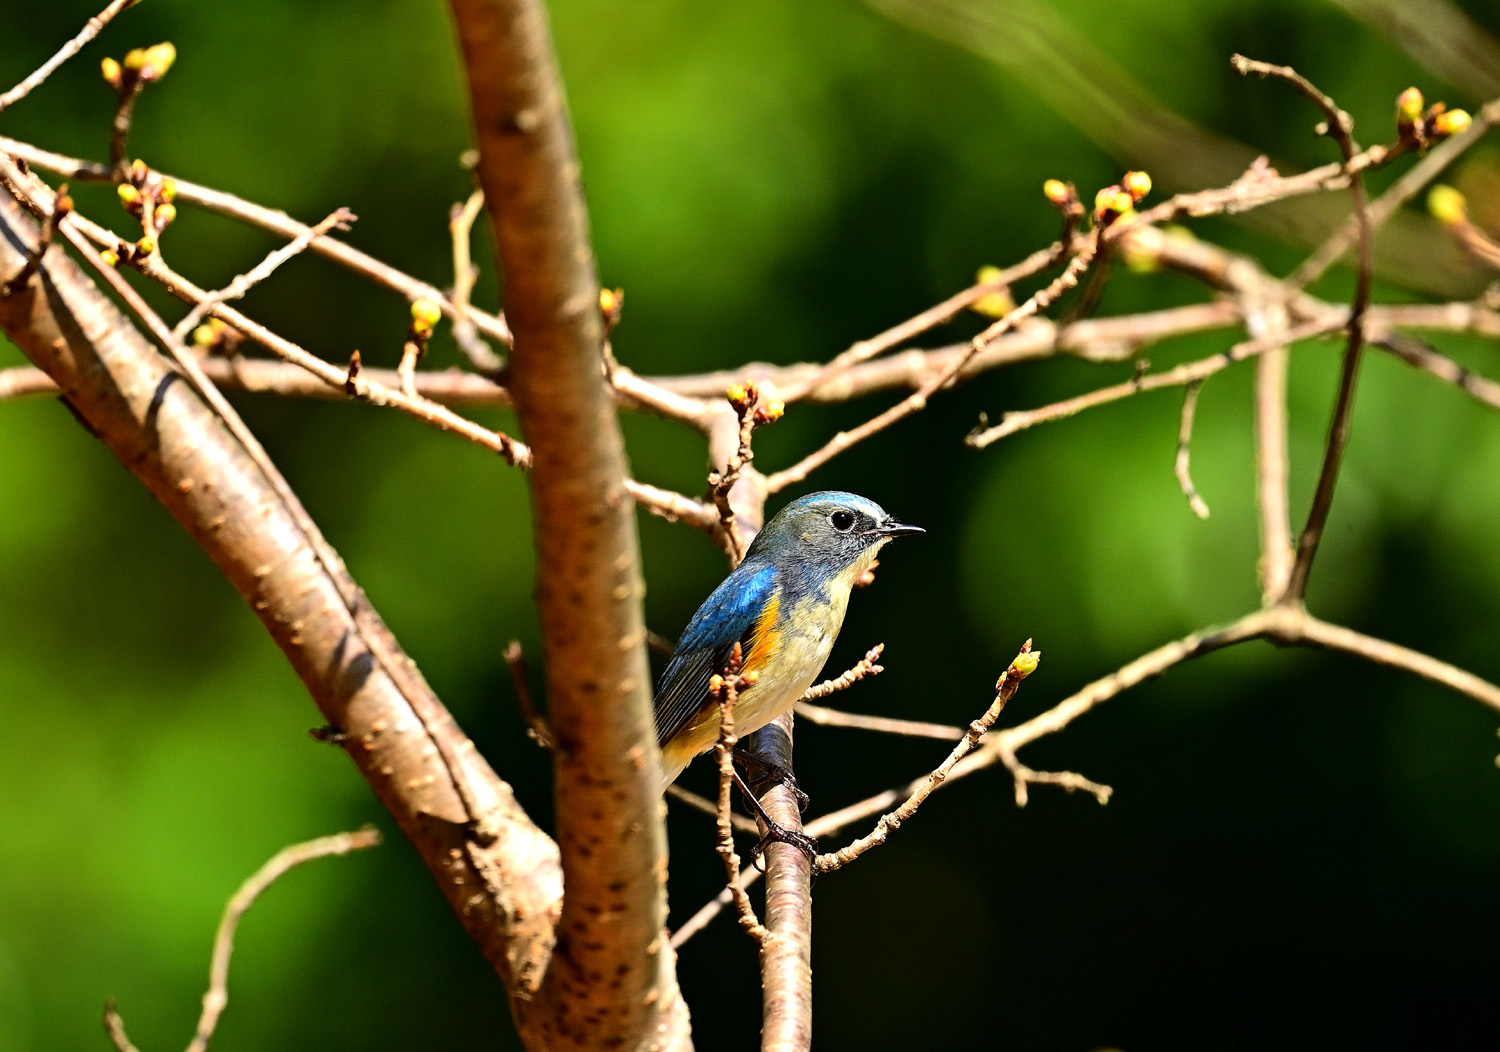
[776,834]
[764,774]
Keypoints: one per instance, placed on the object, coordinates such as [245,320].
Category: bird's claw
[776,834]
[766,774]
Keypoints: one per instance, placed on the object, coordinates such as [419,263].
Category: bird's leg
[775,832]
[767,774]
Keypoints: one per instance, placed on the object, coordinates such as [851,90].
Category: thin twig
[536,724]
[1338,127]
[340,219]
[928,319]
[1178,376]
[217,996]
[862,669]
[725,691]
[709,807]
[882,724]
[1397,194]
[1181,466]
[89,31]
[1010,680]
[1420,355]
[917,401]
[465,273]
[272,220]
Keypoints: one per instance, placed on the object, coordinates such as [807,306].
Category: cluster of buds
[1118,202]
[148,196]
[143,65]
[998,302]
[611,303]
[745,398]
[1422,128]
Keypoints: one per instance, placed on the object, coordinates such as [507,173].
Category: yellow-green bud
[205,335]
[1451,122]
[1025,664]
[608,301]
[168,192]
[996,304]
[425,314]
[1409,107]
[165,214]
[1056,191]
[1137,184]
[135,58]
[158,60]
[145,246]
[110,257]
[130,197]
[111,70]
[1447,205]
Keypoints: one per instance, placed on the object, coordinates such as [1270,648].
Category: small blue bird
[784,605]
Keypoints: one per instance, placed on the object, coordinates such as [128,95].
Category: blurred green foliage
[1301,851]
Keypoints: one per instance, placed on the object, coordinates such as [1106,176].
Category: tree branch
[506,891]
[609,814]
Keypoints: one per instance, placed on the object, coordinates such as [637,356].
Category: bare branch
[236,289]
[1339,126]
[465,273]
[608,792]
[1399,192]
[272,220]
[863,668]
[506,891]
[1184,445]
[725,689]
[1178,376]
[917,401]
[90,30]
[1010,680]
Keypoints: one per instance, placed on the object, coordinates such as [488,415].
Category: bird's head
[829,534]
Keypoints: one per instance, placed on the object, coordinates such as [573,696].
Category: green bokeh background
[1302,851]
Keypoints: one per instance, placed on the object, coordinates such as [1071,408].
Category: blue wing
[728,616]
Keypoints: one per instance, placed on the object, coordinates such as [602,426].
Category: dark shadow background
[1302,850]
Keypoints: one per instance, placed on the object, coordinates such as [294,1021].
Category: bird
[784,605]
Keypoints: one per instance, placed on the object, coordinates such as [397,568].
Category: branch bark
[612,982]
[506,891]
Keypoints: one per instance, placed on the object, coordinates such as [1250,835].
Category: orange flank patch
[763,636]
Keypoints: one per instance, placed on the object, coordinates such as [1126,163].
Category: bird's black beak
[892,528]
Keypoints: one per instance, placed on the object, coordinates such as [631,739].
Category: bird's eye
[842,521]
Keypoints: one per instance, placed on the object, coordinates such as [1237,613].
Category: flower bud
[1056,191]
[111,70]
[1451,122]
[135,58]
[1136,184]
[996,304]
[110,257]
[425,314]
[770,413]
[1447,205]
[1408,109]
[145,246]
[164,215]
[736,394]
[130,198]
[158,59]
[608,301]
[1025,664]
[168,192]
